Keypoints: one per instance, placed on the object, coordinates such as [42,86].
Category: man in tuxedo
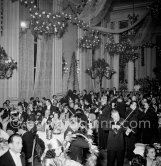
[49,106]
[22,114]
[132,114]
[104,116]
[115,141]
[13,157]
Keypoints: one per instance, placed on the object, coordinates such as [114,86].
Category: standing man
[104,115]
[13,156]
[132,115]
[115,141]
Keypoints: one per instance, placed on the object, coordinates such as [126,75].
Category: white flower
[89,132]
[90,141]
[6,61]
[9,60]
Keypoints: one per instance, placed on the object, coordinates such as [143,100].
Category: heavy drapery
[95,11]
[26,58]
[117,31]
[26,65]
[42,87]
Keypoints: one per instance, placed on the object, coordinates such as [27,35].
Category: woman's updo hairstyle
[147,147]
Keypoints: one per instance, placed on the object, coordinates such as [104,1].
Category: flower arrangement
[125,49]
[100,69]
[7,65]
[90,40]
[43,22]
[91,160]
[56,153]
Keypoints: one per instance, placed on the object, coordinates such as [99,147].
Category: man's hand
[128,131]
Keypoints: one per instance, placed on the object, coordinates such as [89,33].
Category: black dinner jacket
[7,160]
[52,109]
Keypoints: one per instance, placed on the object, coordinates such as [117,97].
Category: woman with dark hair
[149,159]
[150,155]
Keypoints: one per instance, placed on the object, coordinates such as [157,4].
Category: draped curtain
[42,87]
[145,31]
[9,40]
[26,65]
[95,11]
[26,58]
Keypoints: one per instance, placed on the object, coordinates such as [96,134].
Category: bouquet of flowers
[56,153]
[7,65]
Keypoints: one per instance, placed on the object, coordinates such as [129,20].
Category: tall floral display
[7,65]
[73,75]
[100,69]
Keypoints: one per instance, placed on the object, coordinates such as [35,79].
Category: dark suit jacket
[28,139]
[115,141]
[121,107]
[103,118]
[52,109]
[23,116]
[7,160]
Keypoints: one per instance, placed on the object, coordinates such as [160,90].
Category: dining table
[55,136]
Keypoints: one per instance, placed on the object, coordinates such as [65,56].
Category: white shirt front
[48,107]
[16,158]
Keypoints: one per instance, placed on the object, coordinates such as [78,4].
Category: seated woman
[149,158]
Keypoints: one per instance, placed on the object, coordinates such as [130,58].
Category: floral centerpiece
[56,153]
[7,65]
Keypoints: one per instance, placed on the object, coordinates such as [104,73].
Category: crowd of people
[117,121]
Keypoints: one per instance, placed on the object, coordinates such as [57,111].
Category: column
[108,59]
[57,58]
[104,54]
[137,68]
[153,57]
[81,74]
[130,76]
[116,68]
[153,60]
[116,62]
[149,62]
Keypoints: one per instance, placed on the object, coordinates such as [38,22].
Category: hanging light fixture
[132,19]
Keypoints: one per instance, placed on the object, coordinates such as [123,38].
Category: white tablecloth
[59,137]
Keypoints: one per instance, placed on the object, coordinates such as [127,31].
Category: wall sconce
[24,25]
